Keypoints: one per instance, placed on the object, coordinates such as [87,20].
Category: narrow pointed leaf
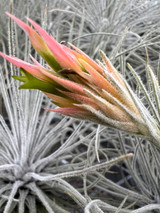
[72,86]
[65,59]
[87,58]
[35,62]
[141,85]
[110,110]
[102,119]
[75,112]
[60,101]
[30,82]
[121,89]
[99,80]
[81,98]
[38,43]
[32,69]
[110,67]
[155,88]
[116,102]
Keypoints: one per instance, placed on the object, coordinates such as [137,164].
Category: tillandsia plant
[83,88]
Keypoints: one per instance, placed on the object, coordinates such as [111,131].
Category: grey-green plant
[51,163]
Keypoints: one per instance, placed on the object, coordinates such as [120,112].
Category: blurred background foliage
[127,31]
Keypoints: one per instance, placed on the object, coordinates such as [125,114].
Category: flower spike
[77,84]
[38,43]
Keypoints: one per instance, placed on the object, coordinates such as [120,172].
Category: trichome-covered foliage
[51,163]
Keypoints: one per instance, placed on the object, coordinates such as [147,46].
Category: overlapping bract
[78,85]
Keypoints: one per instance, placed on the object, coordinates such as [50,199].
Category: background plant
[30,134]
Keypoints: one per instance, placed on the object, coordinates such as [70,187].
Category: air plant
[38,171]
[83,88]
[36,159]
